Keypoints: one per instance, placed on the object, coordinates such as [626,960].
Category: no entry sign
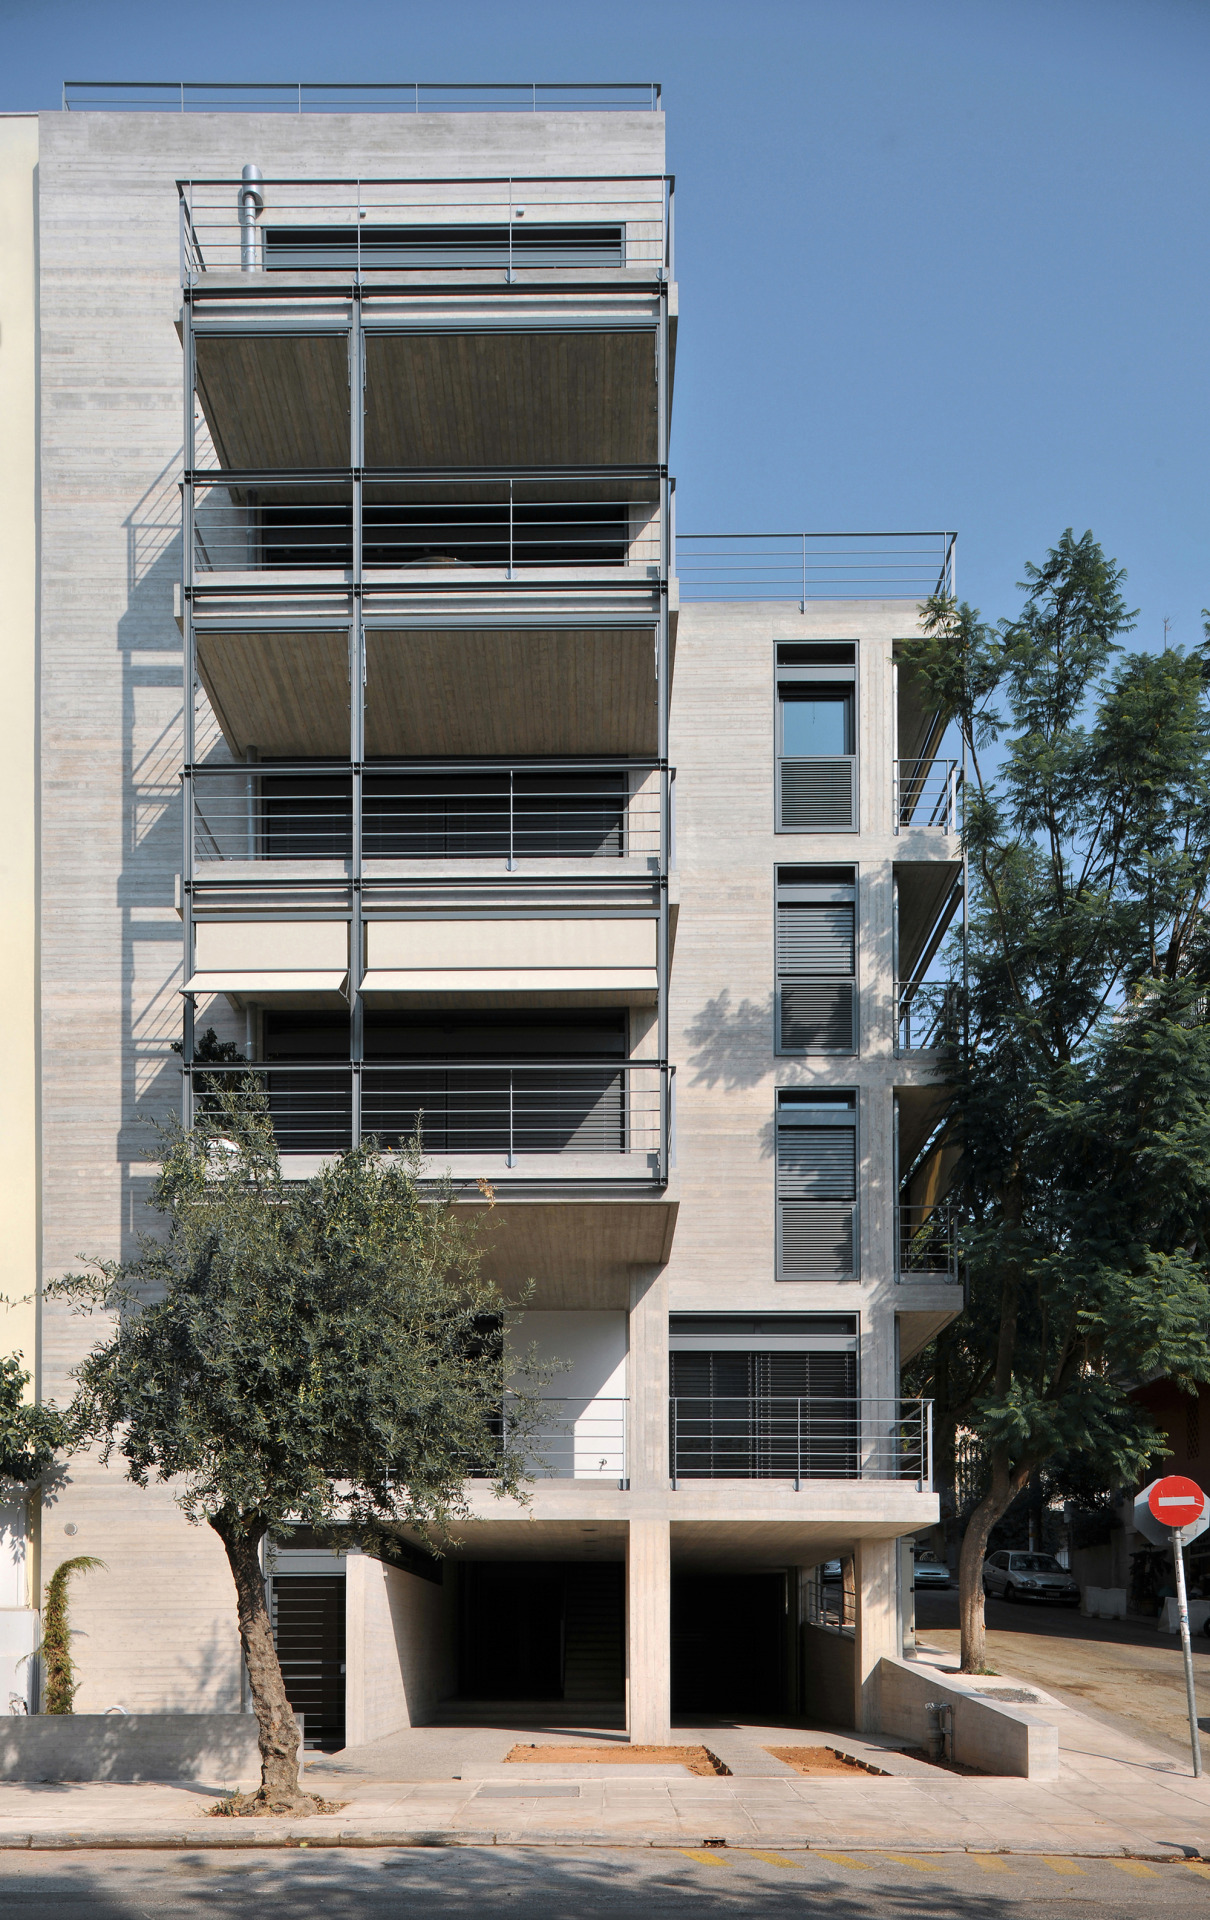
[1175,1501]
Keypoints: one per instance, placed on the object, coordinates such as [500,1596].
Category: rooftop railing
[811,1437]
[546,223]
[816,566]
[383,96]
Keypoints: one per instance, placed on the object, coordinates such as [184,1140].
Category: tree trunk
[995,1503]
[279,1788]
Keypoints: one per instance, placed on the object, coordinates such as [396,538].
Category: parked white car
[1029,1576]
[928,1571]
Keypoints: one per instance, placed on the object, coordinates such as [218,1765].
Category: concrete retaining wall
[218,1748]
[827,1676]
[988,1734]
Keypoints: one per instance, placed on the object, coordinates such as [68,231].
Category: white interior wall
[399,1649]
[585,1437]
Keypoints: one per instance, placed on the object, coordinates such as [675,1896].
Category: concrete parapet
[988,1735]
[219,1748]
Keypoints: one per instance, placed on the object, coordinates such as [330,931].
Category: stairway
[593,1626]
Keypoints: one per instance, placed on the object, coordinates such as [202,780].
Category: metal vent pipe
[251,205]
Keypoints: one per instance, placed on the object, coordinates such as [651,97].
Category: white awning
[297,987]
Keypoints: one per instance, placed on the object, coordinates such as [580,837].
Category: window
[816,1185]
[816,737]
[773,1397]
[815,950]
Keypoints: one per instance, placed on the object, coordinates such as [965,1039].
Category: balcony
[588,1121]
[927,793]
[575,1438]
[928,1015]
[817,1437]
[244,817]
[928,1245]
[803,567]
[494,228]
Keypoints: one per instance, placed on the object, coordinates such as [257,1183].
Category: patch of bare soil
[698,1760]
[824,1760]
[259,1806]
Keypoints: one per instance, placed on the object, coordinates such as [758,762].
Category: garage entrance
[541,1630]
[730,1645]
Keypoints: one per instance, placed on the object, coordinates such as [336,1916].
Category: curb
[175,1840]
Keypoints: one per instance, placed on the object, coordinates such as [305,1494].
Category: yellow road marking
[1061,1866]
[773,1859]
[906,1860]
[706,1855]
[990,1862]
[1137,1868]
[844,1860]
[1198,1866]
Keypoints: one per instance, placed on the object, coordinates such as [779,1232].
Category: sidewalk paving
[1114,1796]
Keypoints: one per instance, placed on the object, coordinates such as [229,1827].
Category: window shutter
[817,1163]
[816,1016]
[815,937]
[816,794]
[816,1242]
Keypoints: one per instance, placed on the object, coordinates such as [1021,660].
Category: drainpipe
[251,204]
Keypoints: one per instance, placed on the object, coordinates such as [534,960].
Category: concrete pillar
[875,1573]
[647,1379]
[648,1633]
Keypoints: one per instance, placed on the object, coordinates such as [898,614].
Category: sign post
[1179,1507]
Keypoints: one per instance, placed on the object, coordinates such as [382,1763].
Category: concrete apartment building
[356,709]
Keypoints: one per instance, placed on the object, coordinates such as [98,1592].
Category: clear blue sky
[942,262]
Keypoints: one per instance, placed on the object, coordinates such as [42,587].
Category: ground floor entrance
[541,1630]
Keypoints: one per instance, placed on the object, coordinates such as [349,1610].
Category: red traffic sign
[1176,1502]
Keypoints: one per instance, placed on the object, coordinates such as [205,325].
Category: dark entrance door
[728,1644]
[309,1630]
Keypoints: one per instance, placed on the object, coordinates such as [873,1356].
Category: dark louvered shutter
[814,939]
[816,795]
[816,1195]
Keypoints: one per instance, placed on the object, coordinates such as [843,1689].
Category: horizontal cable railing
[543,223]
[815,566]
[253,525]
[437,812]
[927,794]
[574,1437]
[368,96]
[928,1015]
[614,1112]
[928,1243]
[804,1437]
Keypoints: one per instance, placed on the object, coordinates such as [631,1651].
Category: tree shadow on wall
[731,1045]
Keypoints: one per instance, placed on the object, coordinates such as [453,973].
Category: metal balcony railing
[928,1244]
[577,1437]
[538,224]
[815,566]
[927,793]
[614,1113]
[428,811]
[259,523]
[812,1437]
[927,1015]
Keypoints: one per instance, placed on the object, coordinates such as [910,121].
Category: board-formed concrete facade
[513,854]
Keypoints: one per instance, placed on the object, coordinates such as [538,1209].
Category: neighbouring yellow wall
[19,1115]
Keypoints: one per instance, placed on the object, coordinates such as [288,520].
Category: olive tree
[318,1352]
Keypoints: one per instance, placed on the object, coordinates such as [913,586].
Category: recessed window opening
[491,244]
[816,1184]
[816,748]
[816,653]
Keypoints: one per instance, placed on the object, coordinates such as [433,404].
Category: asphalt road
[1120,1671]
[536,1884]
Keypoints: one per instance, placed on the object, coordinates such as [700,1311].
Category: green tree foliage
[1082,1082]
[59,1682]
[316,1353]
[30,1434]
